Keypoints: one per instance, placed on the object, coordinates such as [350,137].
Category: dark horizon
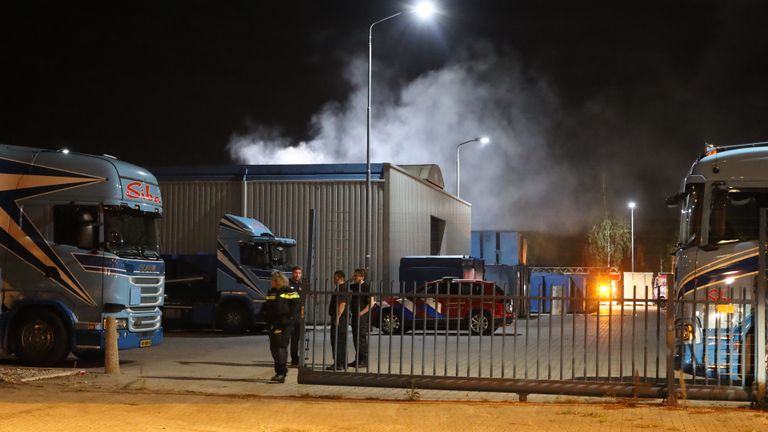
[627,92]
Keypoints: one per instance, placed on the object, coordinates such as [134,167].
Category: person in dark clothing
[297,284]
[360,304]
[282,305]
[338,311]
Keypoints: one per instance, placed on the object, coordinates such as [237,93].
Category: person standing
[338,311]
[359,311]
[282,305]
[297,284]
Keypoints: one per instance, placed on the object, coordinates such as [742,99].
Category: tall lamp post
[632,206]
[423,10]
[483,140]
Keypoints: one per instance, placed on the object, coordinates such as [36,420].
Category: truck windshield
[735,215]
[283,256]
[131,233]
[267,256]
[690,220]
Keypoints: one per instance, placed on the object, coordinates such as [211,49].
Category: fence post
[671,384]
[760,322]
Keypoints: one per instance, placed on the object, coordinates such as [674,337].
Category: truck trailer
[79,242]
[226,290]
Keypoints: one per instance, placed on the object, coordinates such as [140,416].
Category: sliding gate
[465,336]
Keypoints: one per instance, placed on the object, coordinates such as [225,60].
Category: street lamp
[632,206]
[423,10]
[483,140]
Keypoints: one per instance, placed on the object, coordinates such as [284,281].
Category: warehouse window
[437,230]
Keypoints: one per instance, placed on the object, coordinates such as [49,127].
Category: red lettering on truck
[140,190]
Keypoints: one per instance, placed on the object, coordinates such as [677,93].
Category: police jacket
[282,306]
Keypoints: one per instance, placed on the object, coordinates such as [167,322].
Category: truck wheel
[480,322]
[41,338]
[234,318]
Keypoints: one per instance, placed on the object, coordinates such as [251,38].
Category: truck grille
[146,280]
[144,323]
[151,290]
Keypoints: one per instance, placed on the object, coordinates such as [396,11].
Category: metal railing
[571,343]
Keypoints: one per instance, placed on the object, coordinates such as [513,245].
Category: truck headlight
[120,323]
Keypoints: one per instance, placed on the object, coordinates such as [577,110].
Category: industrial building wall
[191,213]
[412,204]
[340,222]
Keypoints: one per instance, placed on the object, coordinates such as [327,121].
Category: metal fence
[466,337]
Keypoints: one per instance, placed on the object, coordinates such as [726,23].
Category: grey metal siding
[340,205]
[192,210]
[411,203]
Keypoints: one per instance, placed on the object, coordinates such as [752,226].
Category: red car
[477,305]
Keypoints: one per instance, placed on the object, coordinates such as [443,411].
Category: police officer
[297,284]
[282,307]
[360,303]
[338,312]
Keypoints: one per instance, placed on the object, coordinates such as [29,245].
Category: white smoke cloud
[513,183]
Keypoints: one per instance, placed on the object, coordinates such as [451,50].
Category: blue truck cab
[79,242]
[226,290]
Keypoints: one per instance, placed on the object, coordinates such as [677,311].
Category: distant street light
[632,206]
[424,10]
[483,140]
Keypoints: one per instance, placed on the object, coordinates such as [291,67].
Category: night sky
[635,88]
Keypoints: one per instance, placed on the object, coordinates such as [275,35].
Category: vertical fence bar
[718,325]
[573,333]
[634,322]
[549,338]
[761,373]
[413,328]
[597,338]
[493,327]
[658,333]
[670,363]
[527,333]
[562,327]
[438,311]
[424,333]
[743,347]
[645,336]
[541,297]
[610,330]
[586,325]
[381,333]
[731,357]
[621,335]
[458,324]
[447,327]
[324,312]
[504,327]
[704,332]
[469,327]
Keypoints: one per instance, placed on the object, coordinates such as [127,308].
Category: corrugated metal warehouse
[412,213]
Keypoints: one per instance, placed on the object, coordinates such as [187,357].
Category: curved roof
[430,173]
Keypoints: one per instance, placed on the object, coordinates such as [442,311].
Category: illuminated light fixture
[65,150]
[729,280]
[604,291]
[483,140]
[424,9]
